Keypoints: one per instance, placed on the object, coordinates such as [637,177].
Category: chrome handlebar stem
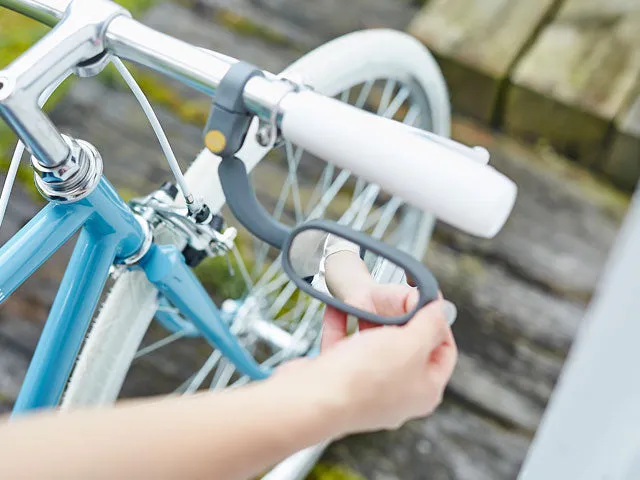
[77,38]
[86,29]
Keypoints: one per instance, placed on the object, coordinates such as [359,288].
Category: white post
[591,429]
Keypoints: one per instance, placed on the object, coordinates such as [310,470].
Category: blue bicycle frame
[109,232]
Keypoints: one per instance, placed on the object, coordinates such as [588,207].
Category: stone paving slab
[454,443]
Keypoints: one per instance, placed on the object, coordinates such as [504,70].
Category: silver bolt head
[263,135]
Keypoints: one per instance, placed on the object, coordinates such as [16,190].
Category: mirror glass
[326,264]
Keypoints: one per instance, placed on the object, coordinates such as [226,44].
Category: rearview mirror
[311,248]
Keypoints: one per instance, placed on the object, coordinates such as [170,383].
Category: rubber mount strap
[229,118]
[242,201]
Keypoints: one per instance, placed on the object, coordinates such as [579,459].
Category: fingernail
[450,311]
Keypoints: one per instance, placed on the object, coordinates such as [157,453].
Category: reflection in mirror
[330,264]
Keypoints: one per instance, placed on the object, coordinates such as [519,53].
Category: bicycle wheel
[383,71]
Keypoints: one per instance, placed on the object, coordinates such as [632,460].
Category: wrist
[317,395]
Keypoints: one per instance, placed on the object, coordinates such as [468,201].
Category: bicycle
[148,243]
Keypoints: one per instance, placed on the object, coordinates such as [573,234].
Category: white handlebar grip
[461,191]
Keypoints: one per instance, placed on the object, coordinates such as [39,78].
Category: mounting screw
[264,135]
[6,87]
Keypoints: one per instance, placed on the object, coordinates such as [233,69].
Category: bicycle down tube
[108,231]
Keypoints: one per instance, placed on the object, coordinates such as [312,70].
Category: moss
[244,26]
[160,93]
[323,471]
[136,6]
[17,33]
[608,198]
[127,194]
[214,275]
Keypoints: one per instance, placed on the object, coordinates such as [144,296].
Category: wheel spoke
[396,103]
[412,116]
[329,195]
[223,375]
[364,93]
[270,362]
[350,213]
[425,229]
[282,298]
[367,205]
[321,187]
[205,370]
[242,267]
[290,185]
[387,91]
[293,160]
[273,285]
[390,208]
[159,344]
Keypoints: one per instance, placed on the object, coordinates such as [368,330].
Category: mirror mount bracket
[224,133]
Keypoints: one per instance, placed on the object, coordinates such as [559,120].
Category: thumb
[394,300]
[429,326]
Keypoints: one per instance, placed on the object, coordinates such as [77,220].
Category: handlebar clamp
[229,118]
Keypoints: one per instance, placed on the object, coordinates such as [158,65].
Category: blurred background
[550,87]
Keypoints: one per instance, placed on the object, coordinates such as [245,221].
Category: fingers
[366,325]
[428,327]
[334,327]
[443,361]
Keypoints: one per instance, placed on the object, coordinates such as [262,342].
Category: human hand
[385,376]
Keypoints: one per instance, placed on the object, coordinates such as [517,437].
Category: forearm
[344,272]
[228,435]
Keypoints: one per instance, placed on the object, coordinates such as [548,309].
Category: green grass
[323,471]
[17,34]
[246,27]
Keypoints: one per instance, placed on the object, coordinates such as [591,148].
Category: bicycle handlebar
[429,175]
[129,39]
[444,181]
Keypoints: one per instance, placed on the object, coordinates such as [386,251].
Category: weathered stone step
[622,163]
[477,43]
[562,71]
[577,77]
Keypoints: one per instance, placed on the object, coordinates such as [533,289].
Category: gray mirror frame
[425,281]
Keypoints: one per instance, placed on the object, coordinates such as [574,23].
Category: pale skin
[375,380]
